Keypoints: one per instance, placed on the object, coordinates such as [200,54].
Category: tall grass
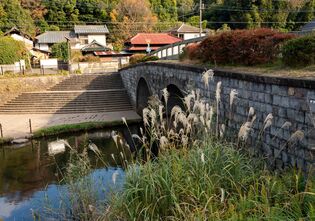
[213,181]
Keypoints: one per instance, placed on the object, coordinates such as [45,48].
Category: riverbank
[53,124]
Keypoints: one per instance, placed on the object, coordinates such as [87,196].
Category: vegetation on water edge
[213,181]
[70,128]
[190,166]
[5,141]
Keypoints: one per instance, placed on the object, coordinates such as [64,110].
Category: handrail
[185,42]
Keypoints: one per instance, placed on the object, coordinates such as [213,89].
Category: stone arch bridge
[288,99]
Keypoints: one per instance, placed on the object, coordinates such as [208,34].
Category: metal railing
[173,51]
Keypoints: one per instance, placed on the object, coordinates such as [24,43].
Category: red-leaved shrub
[192,51]
[246,47]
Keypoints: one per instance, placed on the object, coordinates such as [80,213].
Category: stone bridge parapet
[288,99]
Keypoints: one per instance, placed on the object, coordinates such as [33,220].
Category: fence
[173,51]
[17,67]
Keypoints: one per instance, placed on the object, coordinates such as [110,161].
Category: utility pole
[69,54]
[200,17]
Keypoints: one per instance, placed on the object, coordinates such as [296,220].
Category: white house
[81,36]
[186,32]
[18,35]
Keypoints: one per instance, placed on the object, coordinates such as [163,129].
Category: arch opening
[175,98]
[143,94]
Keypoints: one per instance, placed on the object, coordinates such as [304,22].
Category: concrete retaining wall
[287,99]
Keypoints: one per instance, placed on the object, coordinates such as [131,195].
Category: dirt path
[17,126]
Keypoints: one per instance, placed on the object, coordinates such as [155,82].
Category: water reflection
[26,172]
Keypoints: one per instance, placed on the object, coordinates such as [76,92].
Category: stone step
[77,94]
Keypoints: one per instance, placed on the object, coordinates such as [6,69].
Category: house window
[181,36]
[84,40]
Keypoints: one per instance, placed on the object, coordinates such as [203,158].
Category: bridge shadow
[175,97]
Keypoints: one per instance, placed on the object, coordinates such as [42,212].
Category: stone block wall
[289,100]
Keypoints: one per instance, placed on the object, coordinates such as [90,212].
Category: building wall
[99,38]
[28,43]
[291,100]
[188,36]
[41,46]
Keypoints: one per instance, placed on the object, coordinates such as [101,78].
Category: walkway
[17,126]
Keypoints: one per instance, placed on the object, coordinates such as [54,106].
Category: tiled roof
[111,53]
[91,29]
[309,26]
[184,28]
[52,37]
[154,38]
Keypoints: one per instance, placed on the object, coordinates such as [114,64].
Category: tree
[11,50]
[13,14]
[60,51]
[132,17]
[166,10]
[62,11]
[195,21]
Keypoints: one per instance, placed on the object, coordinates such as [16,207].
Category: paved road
[17,126]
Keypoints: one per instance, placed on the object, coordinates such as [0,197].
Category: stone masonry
[289,100]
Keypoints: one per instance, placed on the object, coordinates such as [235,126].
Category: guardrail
[173,51]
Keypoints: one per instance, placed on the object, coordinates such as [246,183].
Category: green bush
[11,50]
[299,52]
[138,58]
[60,51]
[149,58]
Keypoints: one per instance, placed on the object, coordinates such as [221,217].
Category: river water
[30,174]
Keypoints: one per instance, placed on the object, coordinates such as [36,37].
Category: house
[80,37]
[147,42]
[308,28]
[18,35]
[89,33]
[94,46]
[186,32]
[46,40]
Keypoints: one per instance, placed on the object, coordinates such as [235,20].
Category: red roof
[110,53]
[154,38]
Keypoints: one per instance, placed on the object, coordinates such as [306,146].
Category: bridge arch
[175,98]
[143,94]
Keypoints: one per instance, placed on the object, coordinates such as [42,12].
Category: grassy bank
[71,128]
[5,141]
[213,181]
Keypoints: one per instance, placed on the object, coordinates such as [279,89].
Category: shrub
[135,59]
[89,58]
[149,58]
[60,51]
[246,47]
[138,58]
[299,52]
[192,52]
[11,50]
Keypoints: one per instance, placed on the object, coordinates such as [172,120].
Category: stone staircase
[90,93]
